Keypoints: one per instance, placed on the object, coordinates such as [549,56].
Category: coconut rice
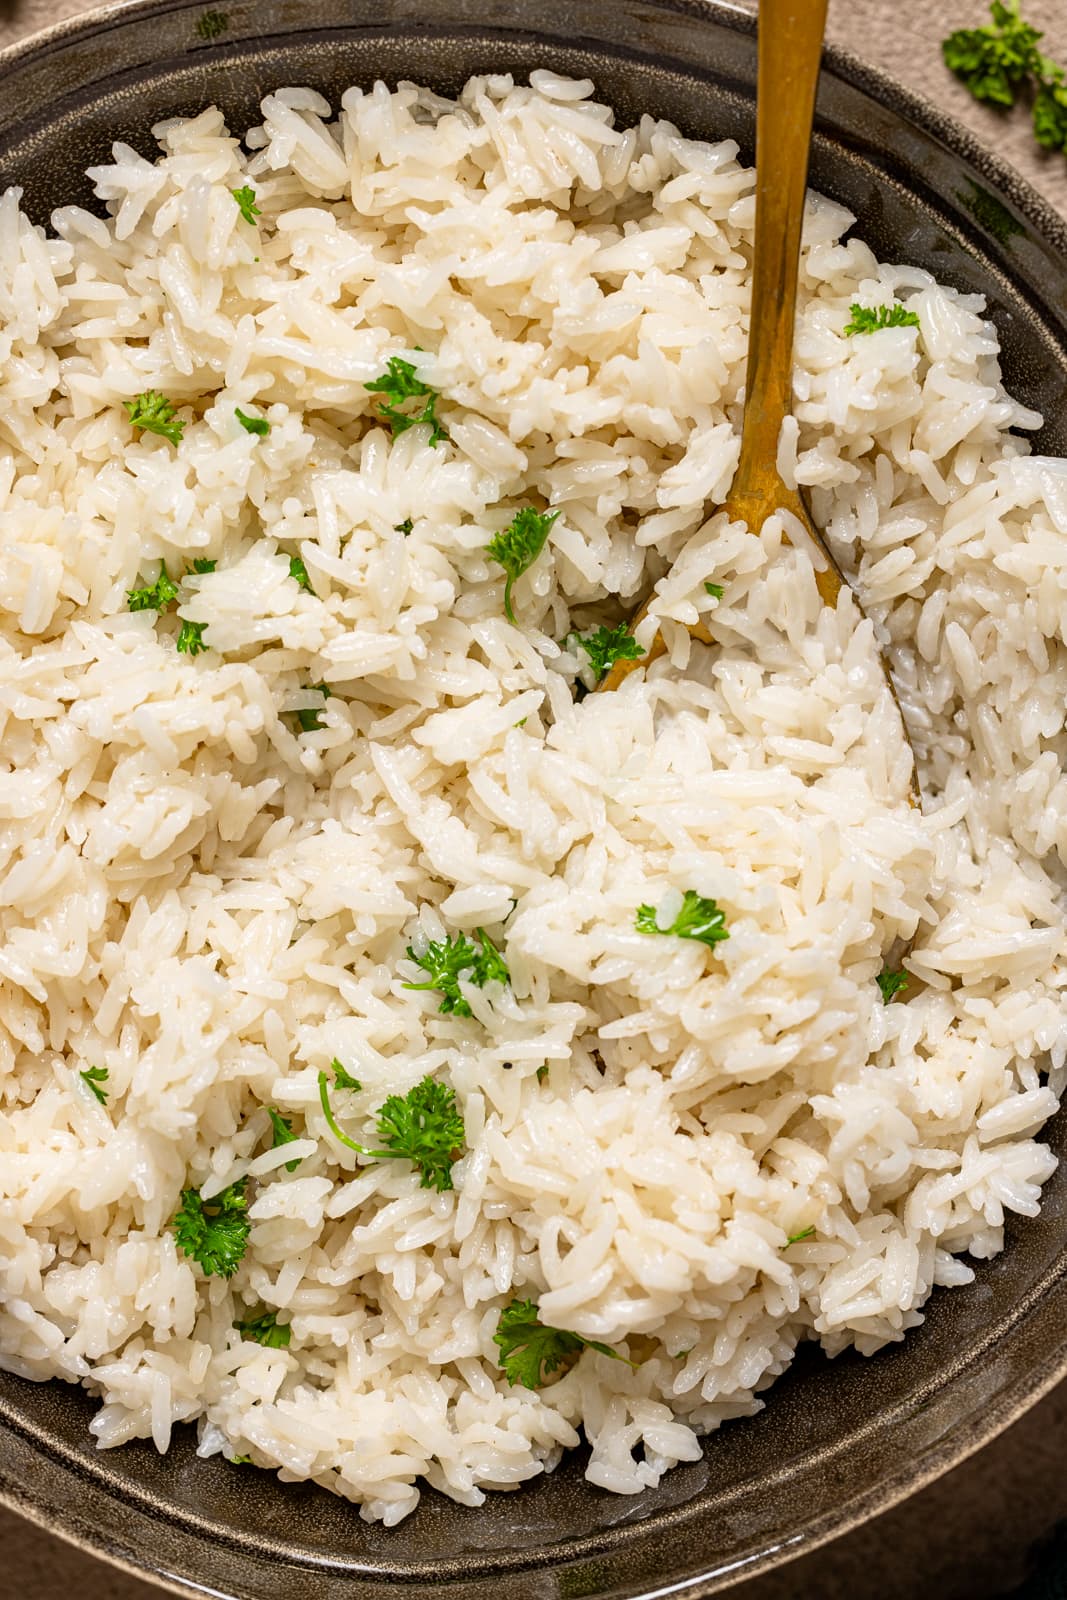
[210,903]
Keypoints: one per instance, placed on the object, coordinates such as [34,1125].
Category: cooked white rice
[211,904]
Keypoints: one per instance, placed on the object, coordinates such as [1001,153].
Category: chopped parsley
[795,1238]
[298,571]
[454,957]
[265,1329]
[190,640]
[214,1232]
[872,319]
[246,202]
[240,1461]
[152,412]
[163,594]
[343,1078]
[542,1073]
[258,425]
[404,527]
[697,918]
[518,547]
[92,1078]
[156,596]
[283,1134]
[398,384]
[310,717]
[891,983]
[424,1127]
[530,1352]
[998,61]
[608,645]
[716,590]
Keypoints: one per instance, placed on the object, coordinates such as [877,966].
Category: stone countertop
[971,1535]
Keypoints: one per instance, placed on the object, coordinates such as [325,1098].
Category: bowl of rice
[459,1130]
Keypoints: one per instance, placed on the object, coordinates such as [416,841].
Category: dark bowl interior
[839,1440]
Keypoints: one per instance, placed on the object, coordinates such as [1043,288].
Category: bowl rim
[977,1429]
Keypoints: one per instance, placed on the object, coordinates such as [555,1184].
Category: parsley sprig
[1002,59]
[258,425]
[872,319]
[454,957]
[214,1232]
[530,1351]
[518,547]
[423,1126]
[265,1329]
[606,646]
[697,918]
[891,983]
[92,1078]
[310,717]
[398,384]
[246,202]
[299,572]
[152,412]
[283,1134]
[163,594]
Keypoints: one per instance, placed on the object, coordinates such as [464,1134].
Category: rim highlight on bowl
[838,1441]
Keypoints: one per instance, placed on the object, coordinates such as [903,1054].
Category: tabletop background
[985,1529]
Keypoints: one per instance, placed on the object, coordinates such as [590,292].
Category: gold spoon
[790,49]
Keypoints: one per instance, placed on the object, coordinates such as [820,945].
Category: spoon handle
[790,49]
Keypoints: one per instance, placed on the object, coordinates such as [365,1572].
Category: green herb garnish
[518,547]
[891,983]
[190,640]
[214,1232]
[608,645]
[310,717]
[201,565]
[424,1127]
[156,596]
[455,957]
[404,527]
[246,202]
[697,918]
[399,384]
[999,60]
[867,319]
[92,1078]
[343,1078]
[283,1134]
[530,1352]
[152,412]
[258,425]
[265,1329]
[716,590]
[795,1238]
[298,571]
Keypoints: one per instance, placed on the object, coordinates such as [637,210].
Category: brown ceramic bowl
[838,1441]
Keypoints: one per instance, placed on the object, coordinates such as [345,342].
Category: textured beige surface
[965,1538]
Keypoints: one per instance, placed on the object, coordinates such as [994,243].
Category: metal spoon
[790,49]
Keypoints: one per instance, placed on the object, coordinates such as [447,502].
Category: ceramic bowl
[838,1440]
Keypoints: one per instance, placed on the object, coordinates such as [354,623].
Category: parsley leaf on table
[214,1232]
[697,918]
[994,61]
